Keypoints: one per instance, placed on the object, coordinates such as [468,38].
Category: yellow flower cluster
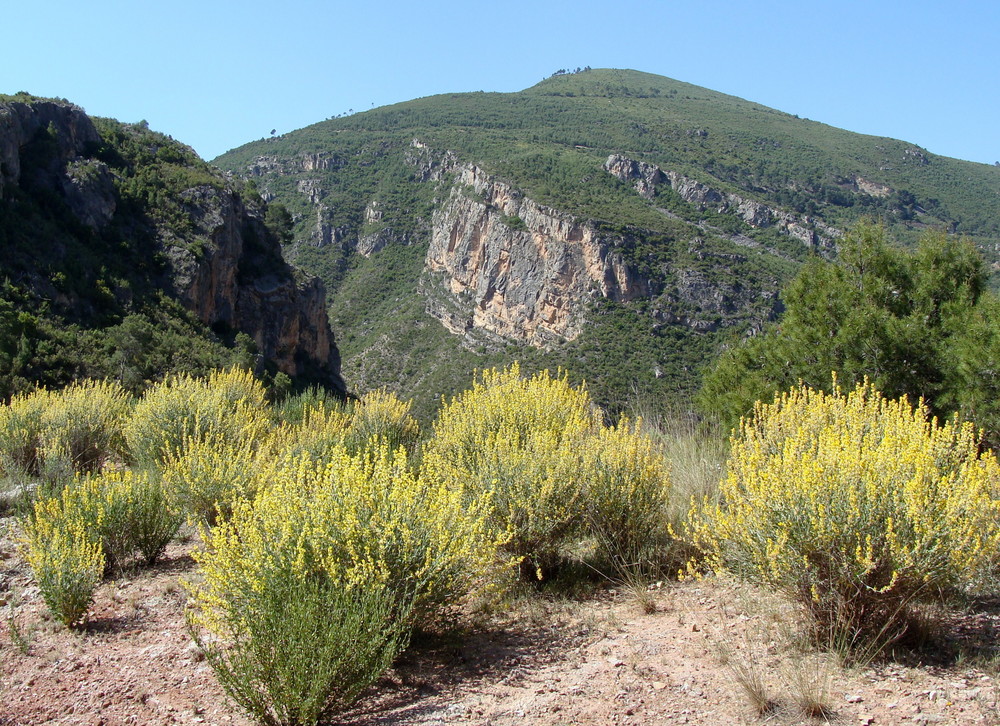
[230,403]
[852,503]
[538,450]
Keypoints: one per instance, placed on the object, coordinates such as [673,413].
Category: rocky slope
[103,218]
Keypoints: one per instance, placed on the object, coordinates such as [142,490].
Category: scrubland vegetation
[330,531]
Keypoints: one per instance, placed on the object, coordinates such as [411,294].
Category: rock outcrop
[226,268]
[515,268]
[647,177]
[239,280]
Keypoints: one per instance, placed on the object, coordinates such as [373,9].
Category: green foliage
[854,505]
[879,312]
[309,651]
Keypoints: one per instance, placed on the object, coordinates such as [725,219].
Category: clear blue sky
[218,73]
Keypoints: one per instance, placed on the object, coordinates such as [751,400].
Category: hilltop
[622,225]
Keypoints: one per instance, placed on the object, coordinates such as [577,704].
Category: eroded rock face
[239,280]
[647,177]
[229,271]
[518,269]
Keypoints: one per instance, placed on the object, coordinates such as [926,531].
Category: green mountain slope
[707,202]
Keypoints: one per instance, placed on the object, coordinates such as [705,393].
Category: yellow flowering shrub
[853,504]
[515,442]
[207,473]
[85,420]
[377,419]
[356,532]
[65,558]
[125,513]
[355,519]
[320,432]
[78,428]
[21,433]
[380,418]
[230,403]
[627,495]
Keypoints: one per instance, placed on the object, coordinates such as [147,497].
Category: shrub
[21,433]
[309,652]
[358,544]
[206,474]
[125,513]
[230,403]
[65,558]
[320,432]
[379,418]
[53,434]
[515,442]
[84,422]
[856,506]
[627,497]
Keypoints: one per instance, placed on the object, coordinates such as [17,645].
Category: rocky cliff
[238,280]
[517,269]
[647,178]
[192,233]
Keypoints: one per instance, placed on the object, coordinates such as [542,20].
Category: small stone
[853,698]
[658,685]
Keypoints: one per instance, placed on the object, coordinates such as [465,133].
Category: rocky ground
[672,654]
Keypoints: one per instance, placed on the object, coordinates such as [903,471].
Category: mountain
[619,224]
[125,255]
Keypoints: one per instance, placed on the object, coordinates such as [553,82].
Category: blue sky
[218,73]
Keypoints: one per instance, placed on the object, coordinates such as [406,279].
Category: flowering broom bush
[515,442]
[231,404]
[76,429]
[335,561]
[538,450]
[627,497]
[854,505]
[66,560]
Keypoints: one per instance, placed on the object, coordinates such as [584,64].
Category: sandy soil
[671,655]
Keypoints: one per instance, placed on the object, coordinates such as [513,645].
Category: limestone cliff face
[227,269]
[517,269]
[239,280]
[647,177]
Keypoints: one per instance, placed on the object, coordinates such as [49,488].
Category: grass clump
[856,507]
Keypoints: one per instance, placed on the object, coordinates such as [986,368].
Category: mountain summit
[620,224]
